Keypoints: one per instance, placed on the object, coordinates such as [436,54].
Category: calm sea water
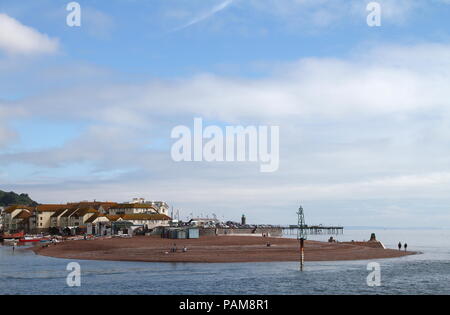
[22,272]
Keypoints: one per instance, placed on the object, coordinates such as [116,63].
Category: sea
[23,272]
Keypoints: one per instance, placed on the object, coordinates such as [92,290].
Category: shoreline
[215,249]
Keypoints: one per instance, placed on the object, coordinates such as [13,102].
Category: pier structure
[314,230]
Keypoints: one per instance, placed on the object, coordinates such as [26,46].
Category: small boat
[30,239]
[7,236]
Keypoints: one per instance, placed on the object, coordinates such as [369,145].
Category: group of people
[405,246]
[174,248]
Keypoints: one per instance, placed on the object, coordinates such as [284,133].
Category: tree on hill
[11,198]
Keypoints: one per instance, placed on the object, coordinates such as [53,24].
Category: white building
[140,206]
[161,207]
[132,208]
[100,224]
[149,221]
[207,222]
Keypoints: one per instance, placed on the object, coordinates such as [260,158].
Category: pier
[314,229]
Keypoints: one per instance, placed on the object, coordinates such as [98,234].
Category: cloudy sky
[364,112]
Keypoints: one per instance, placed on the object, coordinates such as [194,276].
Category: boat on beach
[7,236]
[33,239]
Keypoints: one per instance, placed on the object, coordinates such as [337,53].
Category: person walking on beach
[400,246]
[406,246]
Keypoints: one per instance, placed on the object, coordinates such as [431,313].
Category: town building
[1,218]
[92,217]
[132,208]
[80,216]
[43,214]
[16,218]
[160,206]
[64,220]
[55,219]
[98,223]
[147,221]
[204,222]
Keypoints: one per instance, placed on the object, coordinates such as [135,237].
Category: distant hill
[11,198]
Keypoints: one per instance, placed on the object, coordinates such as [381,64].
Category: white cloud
[16,38]
[385,80]
[381,81]
[372,126]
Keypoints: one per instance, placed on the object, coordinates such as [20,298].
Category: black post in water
[302,253]
[301,235]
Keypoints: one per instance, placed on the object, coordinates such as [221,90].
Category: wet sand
[214,249]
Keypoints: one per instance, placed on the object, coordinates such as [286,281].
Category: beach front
[213,249]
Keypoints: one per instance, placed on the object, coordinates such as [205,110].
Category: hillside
[11,198]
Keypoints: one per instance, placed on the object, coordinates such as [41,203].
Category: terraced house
[59,217]
[1,218]
[64,218]
[55,219]
[43,215]
[17,218]
[80,216]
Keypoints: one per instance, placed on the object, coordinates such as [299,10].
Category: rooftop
[133,206]
[11,209]
[24,214]
[50,207]
[143,216]
[94,217]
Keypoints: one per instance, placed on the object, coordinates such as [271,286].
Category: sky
[364,112]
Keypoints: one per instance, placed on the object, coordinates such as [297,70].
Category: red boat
[29,239]
[7,236]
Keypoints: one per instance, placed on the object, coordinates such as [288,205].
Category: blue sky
[86,112]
